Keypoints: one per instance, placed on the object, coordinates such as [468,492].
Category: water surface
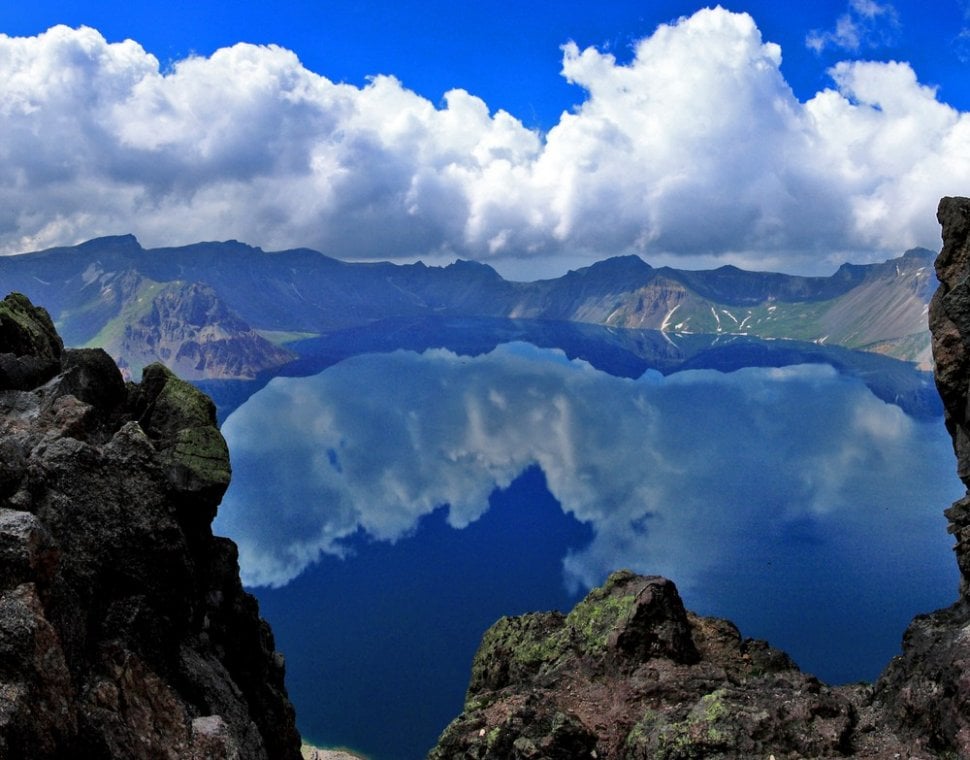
[392,506]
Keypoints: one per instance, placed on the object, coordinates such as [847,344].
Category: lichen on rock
[630,673]
[181,422]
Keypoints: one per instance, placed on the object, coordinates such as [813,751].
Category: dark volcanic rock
[950,326]
[629,673]
[30,348]
[124,629]
[926,690]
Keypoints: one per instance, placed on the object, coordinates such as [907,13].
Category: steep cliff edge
[630,674]
[950,327]
[926,690]
[124,629]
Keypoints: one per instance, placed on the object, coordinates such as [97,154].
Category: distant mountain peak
[626,263]
[618,268]
[469,264]
[920,253]
[112,244]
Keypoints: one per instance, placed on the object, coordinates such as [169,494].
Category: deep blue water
[379,646]
[391,507]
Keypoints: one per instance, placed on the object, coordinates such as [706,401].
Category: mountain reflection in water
[792,500]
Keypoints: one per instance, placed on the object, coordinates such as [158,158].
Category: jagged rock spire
[950,325]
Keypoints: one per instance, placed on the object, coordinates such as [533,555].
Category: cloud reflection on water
[679,475]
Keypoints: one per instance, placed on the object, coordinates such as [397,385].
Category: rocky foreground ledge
[124,630]
[630,674]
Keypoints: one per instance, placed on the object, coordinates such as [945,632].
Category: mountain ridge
[876,307]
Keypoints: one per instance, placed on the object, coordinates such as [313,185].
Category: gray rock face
[630,674]
[190,330]
[124,630]
[926,690]
[950,326]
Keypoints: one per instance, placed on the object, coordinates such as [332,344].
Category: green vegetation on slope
[132,310]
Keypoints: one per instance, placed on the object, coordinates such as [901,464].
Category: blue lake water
[391,507]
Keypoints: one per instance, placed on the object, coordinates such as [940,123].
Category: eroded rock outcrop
[950,328]
[124,630]
[630,674]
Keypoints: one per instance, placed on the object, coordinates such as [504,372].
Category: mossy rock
[602,613]
[630,618]
[514,649]
[527,732]
[202,458]
[181,421]
[30,348]
[27,330]
[707,731]
[172,404]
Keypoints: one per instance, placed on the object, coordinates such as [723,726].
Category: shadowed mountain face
[629,673]
[98,290]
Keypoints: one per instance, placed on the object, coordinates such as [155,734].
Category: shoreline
[310,752]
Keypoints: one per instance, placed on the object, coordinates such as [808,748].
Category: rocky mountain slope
[103,300]
[629,673]
[880,307]
[124,630]
[96,290]
[189,329]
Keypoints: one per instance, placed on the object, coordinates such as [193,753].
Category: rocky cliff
[124,630]
[926,690]
[629,673]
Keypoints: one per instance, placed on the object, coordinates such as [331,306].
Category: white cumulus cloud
[695,148]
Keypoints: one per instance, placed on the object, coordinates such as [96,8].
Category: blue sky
[637,164]
[507,53]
